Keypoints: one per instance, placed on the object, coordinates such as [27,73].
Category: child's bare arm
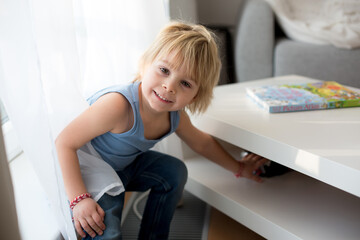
[109,113]
[207,146]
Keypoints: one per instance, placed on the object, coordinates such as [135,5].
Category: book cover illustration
[302,97]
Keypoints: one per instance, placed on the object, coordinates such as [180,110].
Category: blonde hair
[194,46]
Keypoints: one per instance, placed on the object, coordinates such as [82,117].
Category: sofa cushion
[322,62]
[254,42]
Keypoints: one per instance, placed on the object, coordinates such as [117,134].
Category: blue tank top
[119,150]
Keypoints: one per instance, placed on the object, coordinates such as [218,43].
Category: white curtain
[53,54]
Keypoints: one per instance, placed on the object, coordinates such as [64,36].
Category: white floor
[36,220]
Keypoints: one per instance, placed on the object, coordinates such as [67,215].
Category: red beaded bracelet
[78,199]
[241,168]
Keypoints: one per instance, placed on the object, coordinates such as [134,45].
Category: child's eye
[165,71]
[186,84]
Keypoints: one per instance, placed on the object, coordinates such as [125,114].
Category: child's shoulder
[112,101]
[124,89]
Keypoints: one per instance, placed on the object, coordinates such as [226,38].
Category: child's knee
[179,173]
[183,172]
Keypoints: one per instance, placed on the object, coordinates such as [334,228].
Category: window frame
[12,146]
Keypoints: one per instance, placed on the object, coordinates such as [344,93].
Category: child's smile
[162,98]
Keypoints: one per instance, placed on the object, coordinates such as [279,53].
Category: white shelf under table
[291,206]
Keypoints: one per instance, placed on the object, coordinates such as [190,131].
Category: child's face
[165,88]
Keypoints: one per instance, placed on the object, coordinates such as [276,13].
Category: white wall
[208,12]
[219,12]
[186,10]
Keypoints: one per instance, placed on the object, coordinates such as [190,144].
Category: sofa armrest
[254,41]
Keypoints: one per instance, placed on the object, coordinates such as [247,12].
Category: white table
[319,200]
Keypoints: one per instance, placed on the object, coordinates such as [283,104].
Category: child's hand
[252,162]
[88,215]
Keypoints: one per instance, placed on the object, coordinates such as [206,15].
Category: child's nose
[169,87]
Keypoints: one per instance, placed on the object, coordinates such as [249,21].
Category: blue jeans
[165,176]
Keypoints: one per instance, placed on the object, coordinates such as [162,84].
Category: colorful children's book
[302,97]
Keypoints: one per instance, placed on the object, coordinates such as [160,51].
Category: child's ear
[143,68]
[193,100]
[141,71]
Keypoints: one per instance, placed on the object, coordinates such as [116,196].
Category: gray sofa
[262,50]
